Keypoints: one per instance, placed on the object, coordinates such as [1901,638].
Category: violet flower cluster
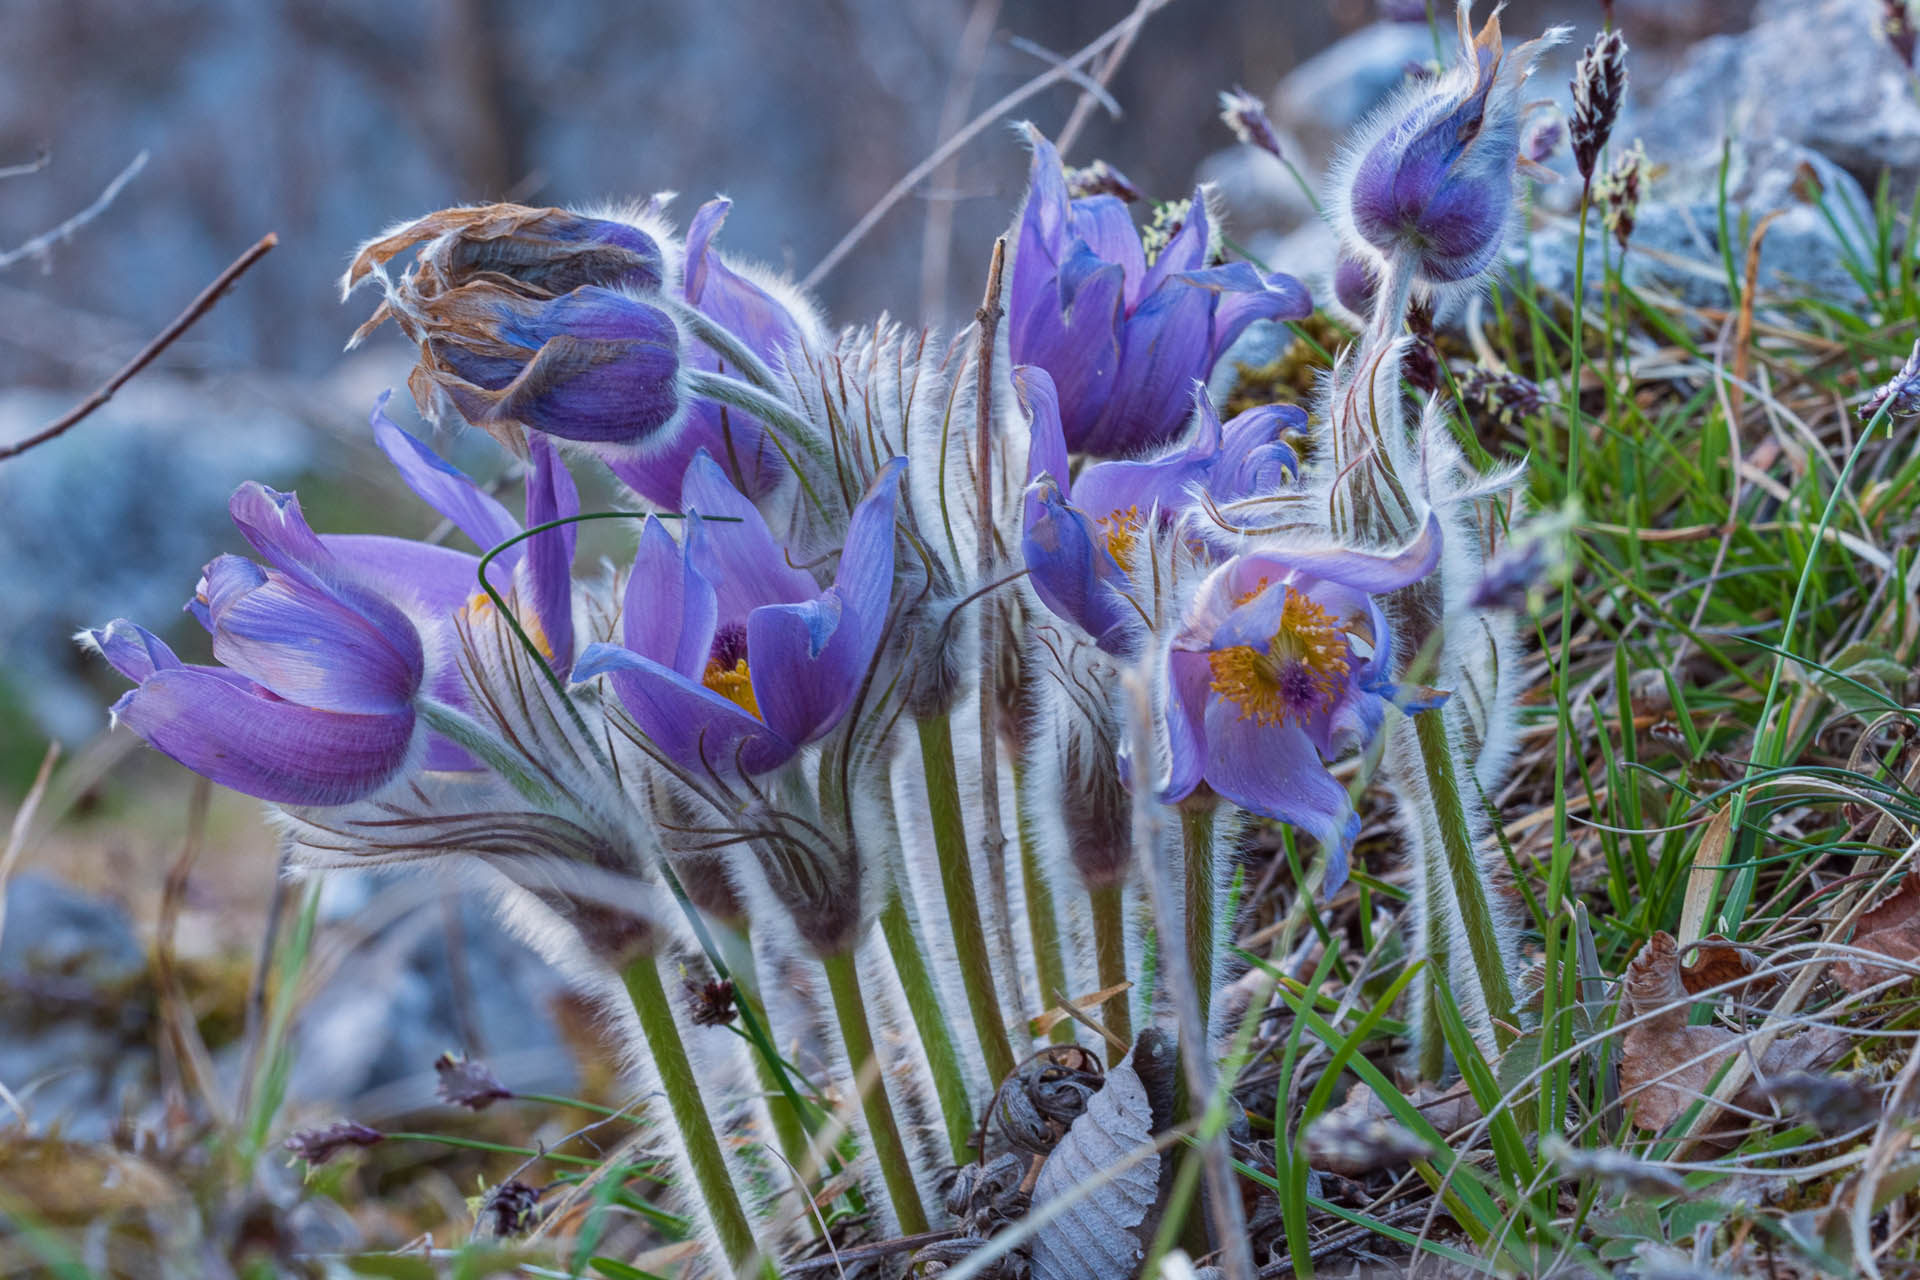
[865,658]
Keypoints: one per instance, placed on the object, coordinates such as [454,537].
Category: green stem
[1110,957]
[963,903]
[923,1001]
[682,1090]
[1196,827]
[857,1035]
[1467,882]
[1043,922]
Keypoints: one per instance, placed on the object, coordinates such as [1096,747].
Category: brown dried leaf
[1666,1066]
[1891,929]
[1717,959]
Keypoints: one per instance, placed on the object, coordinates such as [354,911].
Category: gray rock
[397,1000]
[75,1050]
[1818,73]
[1675,248]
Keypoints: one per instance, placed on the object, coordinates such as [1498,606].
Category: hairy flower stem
[1043,922]
[789,1126]
[856,1034]
[677,1081]
[1196,829]
[1466,879]
[923,1002]
[1110,957]
[963,903]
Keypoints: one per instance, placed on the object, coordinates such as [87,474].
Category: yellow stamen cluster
[1298,673]
[1123,535]
[733,684]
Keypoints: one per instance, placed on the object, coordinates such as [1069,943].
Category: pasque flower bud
[1430,178]
[533,320]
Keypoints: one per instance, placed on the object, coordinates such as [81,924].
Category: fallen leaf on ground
[1891,929]
[1666,1066]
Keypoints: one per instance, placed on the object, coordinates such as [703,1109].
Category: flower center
[1123,535]
[727,673]
[1297,674]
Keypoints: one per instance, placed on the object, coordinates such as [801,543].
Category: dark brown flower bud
[317,1146]
[466,1083]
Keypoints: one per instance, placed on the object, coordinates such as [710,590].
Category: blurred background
[323,122]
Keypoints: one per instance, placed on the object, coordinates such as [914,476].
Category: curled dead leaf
[1891,929]
[1718,960]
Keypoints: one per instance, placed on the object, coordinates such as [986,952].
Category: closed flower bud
[1431,179]
[533,320]
[1354,285]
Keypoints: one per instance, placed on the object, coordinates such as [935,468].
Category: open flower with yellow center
[733,657]
[1284,663]
[1083,534]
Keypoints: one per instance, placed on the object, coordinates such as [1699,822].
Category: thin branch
[184,321]
[40,161]
[47,239]
[1086,82]
[1129,30]
[1123,30]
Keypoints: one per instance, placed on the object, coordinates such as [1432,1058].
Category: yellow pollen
[734,685]
[1123,535]
[1296,676]
[480,604]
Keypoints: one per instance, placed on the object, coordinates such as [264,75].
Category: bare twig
[40,161]
[1046,79]
[1083,109]
[936,241]
[184,321]
[181,1038]
[47,239]
[1086,82]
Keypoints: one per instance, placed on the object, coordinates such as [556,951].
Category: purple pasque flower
[1430,177]
[533,320]
[760,318]
[733,659]
[1283,663]
[1082,537]
[314,702]
[1124,340]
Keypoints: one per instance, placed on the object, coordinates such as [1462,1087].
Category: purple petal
[1245,296]
[1046,441]
[1274,770]
[1360,571]
[736,552]
[1188,678]
[130,649]
[256,744]
[443,486]
[1163,350]
[1253,457]
[1076,337]
[670,612]
[439,580]
[551,496]
[305,645]
[1105,488]
[1072,571]
[1107,227]
[696,727]
[808,660]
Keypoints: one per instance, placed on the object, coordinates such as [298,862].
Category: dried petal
[317,1146]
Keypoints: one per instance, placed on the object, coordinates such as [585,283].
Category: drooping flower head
[734,658]
[1283,663]
[1428,180]
[1124,338]
[533,320]
[315,701]
[1084,538]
